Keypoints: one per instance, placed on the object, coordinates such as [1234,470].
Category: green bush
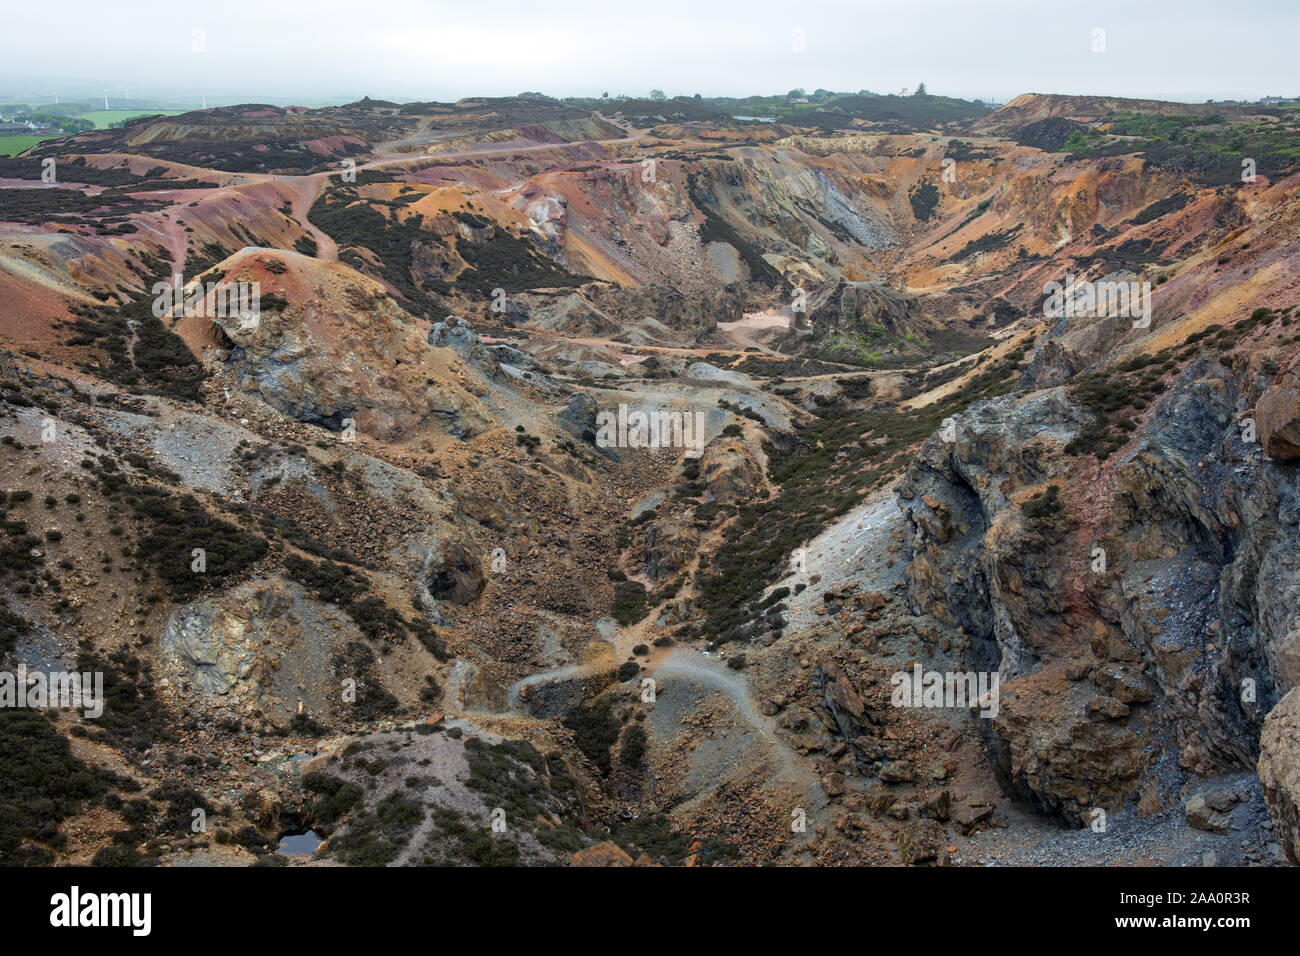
[630,603]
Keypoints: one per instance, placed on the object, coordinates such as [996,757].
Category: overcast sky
[313,51]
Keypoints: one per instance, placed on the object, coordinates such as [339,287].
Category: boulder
[1277,416]
[1279,771]
[459,336]
[938,807]
[841,698]
[920,841]
[898,771]
[1201,816]
[452,570]
[968,817]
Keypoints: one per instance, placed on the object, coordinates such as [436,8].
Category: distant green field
[103,118]
[13,145]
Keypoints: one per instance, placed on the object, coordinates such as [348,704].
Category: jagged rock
[938,807]
[452,570]
[509,355]
[459,336]
[351,353]
[1108,645]
[1196,550]
[555,698]
[920,841]
[431,260]
[481,692]
[1108,708]
[570,314]
[1202,816]
[579,417]
[878,799]
[798,726]
[968,817]
[842,700]
[1123,684]
[264,641]
[1277,416]
[958,550]
[858,306]
[868,749]
[1279,771]
[1221,800]
[622,305]
[833,784]
[1048,750]
[730,470]
[670,546]
[898,771]
[871,601]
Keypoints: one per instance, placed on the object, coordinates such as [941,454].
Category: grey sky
[310,51]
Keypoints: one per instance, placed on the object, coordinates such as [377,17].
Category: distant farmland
[13,145]
[105,118]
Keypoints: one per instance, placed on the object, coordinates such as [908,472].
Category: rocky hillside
[390,560]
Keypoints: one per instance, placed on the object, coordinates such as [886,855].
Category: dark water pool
[299,844]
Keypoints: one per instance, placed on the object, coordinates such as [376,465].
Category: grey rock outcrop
[1190,620]
[263,643]
[579,417]
[458,335]
[352,353]
[452,570]
[670,545]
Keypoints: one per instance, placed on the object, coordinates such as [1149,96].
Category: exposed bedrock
[1145,615]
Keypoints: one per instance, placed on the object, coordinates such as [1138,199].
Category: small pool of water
[299,844]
